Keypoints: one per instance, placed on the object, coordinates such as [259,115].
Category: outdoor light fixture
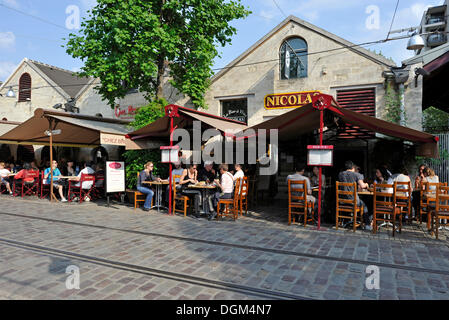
[10,93]
[416,42]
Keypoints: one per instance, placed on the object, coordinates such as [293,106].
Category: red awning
[438,62]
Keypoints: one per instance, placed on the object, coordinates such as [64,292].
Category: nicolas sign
[289,100]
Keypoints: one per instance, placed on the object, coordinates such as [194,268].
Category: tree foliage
[435,120]
[136,43]
[393,110]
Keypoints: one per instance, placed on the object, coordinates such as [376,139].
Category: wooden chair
[297,199]
[44,186]
[403,191]
[346,204]
[231,205]
[427,199]
[179,198]
[441,210]
[384,206]
[138,194]
[243,196]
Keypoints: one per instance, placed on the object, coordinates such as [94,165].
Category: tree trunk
[161,67]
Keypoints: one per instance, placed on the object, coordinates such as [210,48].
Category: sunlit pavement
[122,253]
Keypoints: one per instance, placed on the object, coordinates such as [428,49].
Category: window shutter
[24,87]
[362,101]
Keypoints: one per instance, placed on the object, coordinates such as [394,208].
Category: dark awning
[306,119]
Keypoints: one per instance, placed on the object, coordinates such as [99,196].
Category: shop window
[25,88]
[293,59]
[236,109]
[358,100]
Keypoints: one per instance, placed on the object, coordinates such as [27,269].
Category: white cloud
[12,3]
[6,68]
[7,40]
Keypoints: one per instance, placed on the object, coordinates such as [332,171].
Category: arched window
[25,87]
[293,59]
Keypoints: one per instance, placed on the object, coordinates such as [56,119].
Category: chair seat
[442,213]
[231,201]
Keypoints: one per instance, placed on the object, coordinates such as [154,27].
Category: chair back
[403,191]
[382,197]
[243,187]
[99,178]
[297,191]
[236,192]
[87,178]
[174,184]
[346,193]
[442,198]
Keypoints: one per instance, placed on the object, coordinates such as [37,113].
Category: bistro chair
[297,201]
[44,186]
[179,198]
[441,210]
[231,205]
[346,204]
[79,191]
[384,206]
[99,187]
[427,199]
[403,191]
[28,185]
[243,198]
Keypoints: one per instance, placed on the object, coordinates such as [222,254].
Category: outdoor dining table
[203,188]
[158,202]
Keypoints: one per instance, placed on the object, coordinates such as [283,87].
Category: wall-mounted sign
[128,112]
[112,139]
[236,109]
[289,100]
[115,176]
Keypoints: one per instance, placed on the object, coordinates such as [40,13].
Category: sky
[35,28]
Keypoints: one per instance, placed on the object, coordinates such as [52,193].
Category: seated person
[86,184]
[350,176]
[226,184]
[207,173]
[177,171]
[34,165]
[56,182]
[146,175]
[4,173]
[68,169]
[238,172]
[189,176]
[22,175]
[299,176]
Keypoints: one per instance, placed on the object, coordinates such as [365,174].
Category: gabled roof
[359,50]
[65,79]
[65,82]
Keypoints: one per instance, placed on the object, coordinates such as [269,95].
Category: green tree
[136,43]
[435,120]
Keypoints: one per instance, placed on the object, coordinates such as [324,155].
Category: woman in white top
[430,176]
[226,185]
[238,172]
[383,177]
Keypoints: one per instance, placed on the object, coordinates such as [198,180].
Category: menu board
[115,176]
[320,156]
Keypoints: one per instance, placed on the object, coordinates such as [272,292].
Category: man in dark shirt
[207,173]
[350,176]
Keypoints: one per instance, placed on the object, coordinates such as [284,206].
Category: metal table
[158,194]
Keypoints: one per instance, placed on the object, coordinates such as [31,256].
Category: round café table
[203,188]
[158,202]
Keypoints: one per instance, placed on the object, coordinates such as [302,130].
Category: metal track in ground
[215,284]
[240,246]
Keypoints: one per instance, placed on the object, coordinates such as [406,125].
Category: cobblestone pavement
[132,254]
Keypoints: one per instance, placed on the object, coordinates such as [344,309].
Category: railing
[441,166]
[436,19]
[436,39]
